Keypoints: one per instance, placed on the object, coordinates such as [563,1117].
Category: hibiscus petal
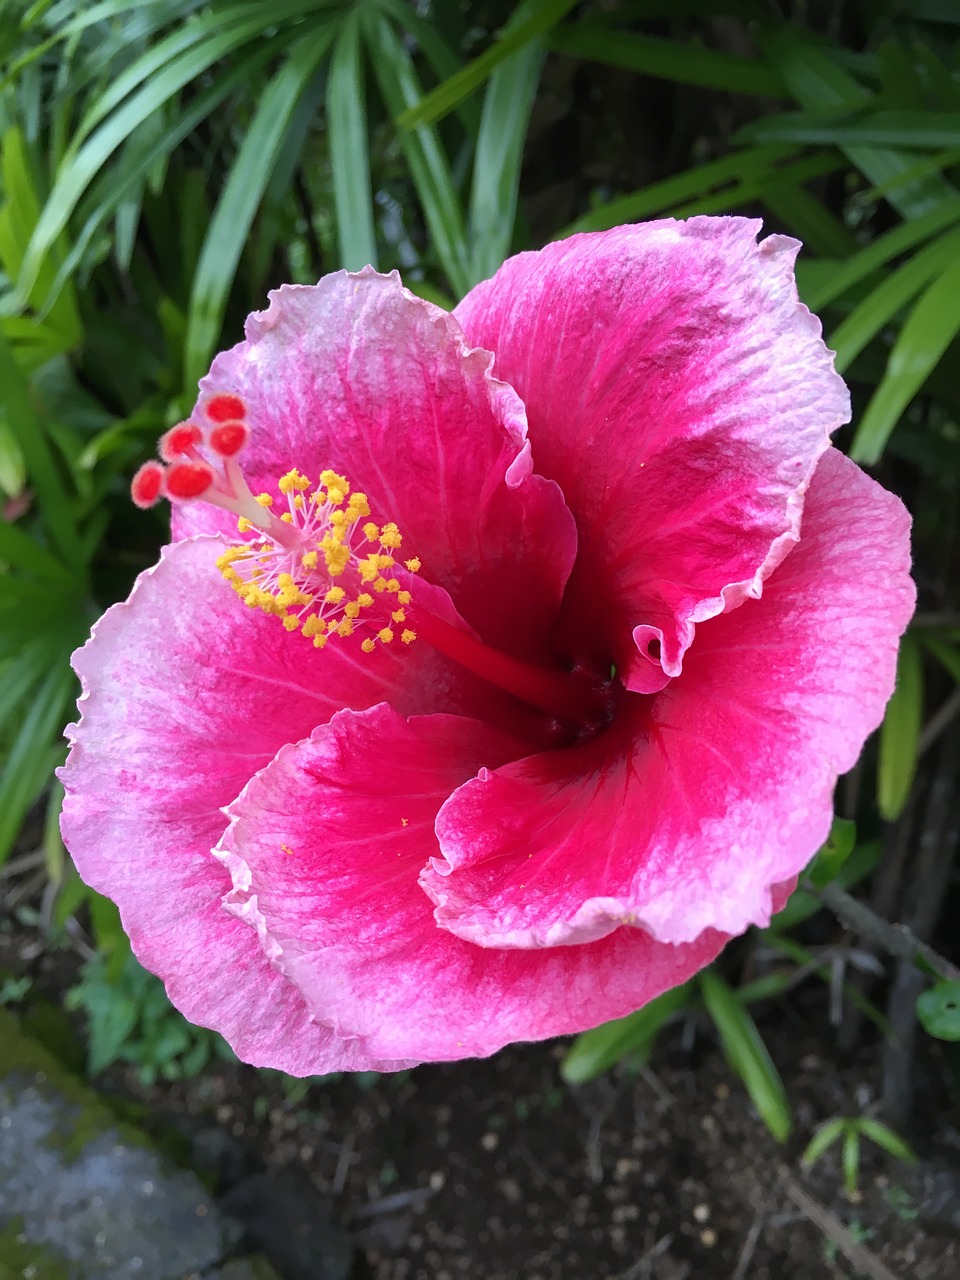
[358,375]
[341,913]
[698,799]
[681,395]
[187,694]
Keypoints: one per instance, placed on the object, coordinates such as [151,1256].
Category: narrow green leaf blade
[900,733]
[931,326]
[747,1054]
[825,1136]
[597,1050]
[349,157]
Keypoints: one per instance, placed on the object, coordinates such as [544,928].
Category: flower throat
[322,567]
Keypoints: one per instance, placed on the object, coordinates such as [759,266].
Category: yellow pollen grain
[398,615]
[380,584]
[298,502]
[386,562]
[313,626]
[334,595]
[287,518]
[345,628]
[351,609]
[413,565]
[368,646]
[404,597]
[390,536]
[358,506]
[371,532]
[393,585]
[285,848]
[309,559]
[364,600]
[291,622]
[319,641]
[385,635]
[336,559]
[244,525]
[265,499]
[408,636]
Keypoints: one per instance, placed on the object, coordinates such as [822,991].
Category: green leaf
[349,158]
[424,154]
[597,1050]
[825,1136]
[900,733]
[531,20]
[850,1160]
[931,326]
[884,302]
[683,62]
[828,862]
[17,408]
[747,1054]
[885,1137]
[928,130]
[241,198]
[938,1009]
[819,83]
[496,168]
[947,654]
[844,275]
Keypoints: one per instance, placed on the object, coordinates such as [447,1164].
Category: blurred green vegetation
[165,162]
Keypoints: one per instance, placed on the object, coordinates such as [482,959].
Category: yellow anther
[334,595]
[390,536]
[364,600]
[298,502]
[293,480]
[287,518]
[398,615]
[335,496]
[386,562]
[380,584]
[351,609]
[291,622]
[404,597]
[331,480]
[407,636]
[319,641]
[265,499]
[227,558]
[393,585]
[345,628]
[337,559]
[358,506]
[371,532]
[339,521]
[309,559]
[413,565]
[369,568]
[385,635]
[244,525]
[313,626]
[368,645]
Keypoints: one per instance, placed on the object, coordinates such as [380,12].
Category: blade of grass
[597,1050]
[241,197]
[915,130]
[929,329]
[349,157]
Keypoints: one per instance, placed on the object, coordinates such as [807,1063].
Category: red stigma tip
[225,408]
[187,480]
[146,488]
[229,438]
[179,440]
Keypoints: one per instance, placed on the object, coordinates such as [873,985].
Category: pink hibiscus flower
[537,691]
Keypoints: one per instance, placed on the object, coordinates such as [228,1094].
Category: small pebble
[708,1237]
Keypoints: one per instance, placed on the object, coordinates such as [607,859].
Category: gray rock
[79,1187]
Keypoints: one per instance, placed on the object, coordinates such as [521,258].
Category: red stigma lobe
[188,480]
[146,488]
[179,440]
[225,408]
[229,438]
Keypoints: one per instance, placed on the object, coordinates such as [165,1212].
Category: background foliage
[165,162]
